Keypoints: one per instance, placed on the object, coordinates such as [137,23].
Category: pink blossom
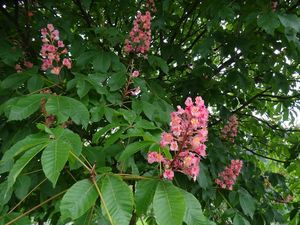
[136,91]
[188,132]
[168,174]
[18,68]
[28,64]
[67,63]
[50,27]
[229,132]
[227,178]
[140,34]
[50,51]
[60,44]
[55,70]
[174,146]
[135,73]
[155,157]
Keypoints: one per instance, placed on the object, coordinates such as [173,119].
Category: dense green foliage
[73,146]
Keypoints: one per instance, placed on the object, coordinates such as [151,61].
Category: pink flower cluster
[186,140]
[230,130]
[140,34]
[19,68]
[52,51]
[151,5]
[228,177]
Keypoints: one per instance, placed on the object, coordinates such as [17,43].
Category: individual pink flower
[28,64]
[135,73]
[227,178]
[18,68]
[136,91]
[50,27]
[155,157]
[67,63]
[60,44]
[55,70]
[188,132]
[168,174]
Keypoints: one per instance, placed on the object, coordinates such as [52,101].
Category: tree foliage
[73,145]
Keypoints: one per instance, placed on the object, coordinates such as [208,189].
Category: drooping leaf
[54,159]
[168,204]
[118,199]
[78,199]
[193,212]
[247,202]
[144,193]
[239,220]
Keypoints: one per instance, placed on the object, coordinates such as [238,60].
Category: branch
[250,100]
[85,15]
[184,16]
[281,96]
[34,208]
[272,126]
[263,156]
[196,40]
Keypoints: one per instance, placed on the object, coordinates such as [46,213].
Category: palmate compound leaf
[78,199]
[118,199]
[54,158]
[65,107]
[168,204]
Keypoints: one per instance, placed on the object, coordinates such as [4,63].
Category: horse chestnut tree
[150,112]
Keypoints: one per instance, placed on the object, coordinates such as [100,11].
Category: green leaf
[239,220]
[134,148]
[118,199]
[144,193]
[156,61]
[247,202]
[54,159]
[23,184]
[68,137]
[65,107]
[25,106]
[193,211]
[117,81]
[269,22]
[25,144]
[102,62]
[22,221]
[14,81]
[78,199]
[290,21]
[103,131]
[35,83]
[168,204]
[22,162]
